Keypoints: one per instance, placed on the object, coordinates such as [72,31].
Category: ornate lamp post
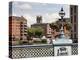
[62,14]
[63,44]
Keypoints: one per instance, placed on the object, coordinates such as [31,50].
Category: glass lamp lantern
[61,13]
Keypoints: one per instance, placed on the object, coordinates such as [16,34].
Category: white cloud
[22,5]
[44,4]
[47,18]
[52,17]
[13,14]
[26,10]
[25,6]
[30,19]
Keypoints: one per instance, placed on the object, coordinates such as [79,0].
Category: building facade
[74,21]
[17,28]
[47,31]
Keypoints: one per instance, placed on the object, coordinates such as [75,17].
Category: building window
[21,34]
[21,38]
[75,36]
[71,36]
[75,28]
[74,18]
[71,19]
[71,11]
[74,9]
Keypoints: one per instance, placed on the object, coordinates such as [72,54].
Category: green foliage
[20,42]
[35,31]
[44,41]
[25,42]
[31,31]
[57,25]
[68,25]
[38,32]
[37,41]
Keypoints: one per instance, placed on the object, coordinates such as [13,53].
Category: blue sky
[30,10]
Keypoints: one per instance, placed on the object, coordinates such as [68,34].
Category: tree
[57,25]
[35,32]
[68,25]
[31,31]
[38,32]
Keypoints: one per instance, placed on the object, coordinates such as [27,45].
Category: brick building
[17,28]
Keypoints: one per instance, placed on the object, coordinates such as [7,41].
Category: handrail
[42,45]
[32,46]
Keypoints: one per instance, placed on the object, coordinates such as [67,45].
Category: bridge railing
[26,51]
